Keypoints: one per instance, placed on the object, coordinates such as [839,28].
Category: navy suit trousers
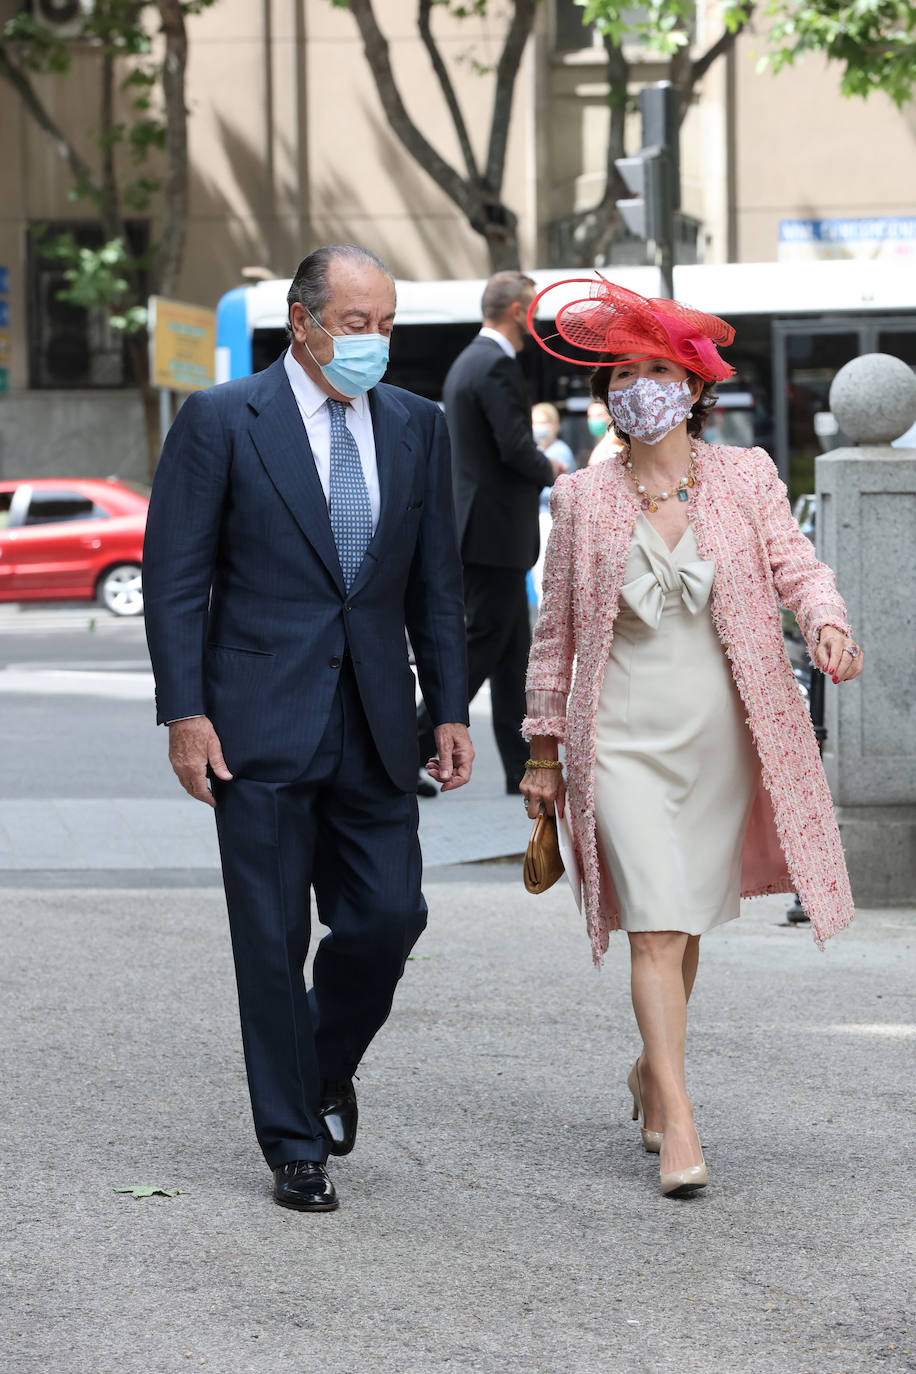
[345,831]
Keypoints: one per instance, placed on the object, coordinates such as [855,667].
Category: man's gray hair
[310,284]
[502,290]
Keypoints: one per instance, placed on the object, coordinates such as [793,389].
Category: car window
[6,498]
[58,507]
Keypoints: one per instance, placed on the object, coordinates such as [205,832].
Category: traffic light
[653,175]
[649,212]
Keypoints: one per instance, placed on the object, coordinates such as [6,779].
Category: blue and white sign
[892,236]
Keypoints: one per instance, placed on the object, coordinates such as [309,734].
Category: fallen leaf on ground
[141,1190]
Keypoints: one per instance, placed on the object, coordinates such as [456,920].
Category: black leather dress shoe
[340,1114]
[303,1184]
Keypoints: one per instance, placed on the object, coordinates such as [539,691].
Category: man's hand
[455,756]
[193,744]
[558,468]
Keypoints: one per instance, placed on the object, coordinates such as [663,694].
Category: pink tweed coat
[742,521]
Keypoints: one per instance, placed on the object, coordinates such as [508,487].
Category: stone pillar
[866,532]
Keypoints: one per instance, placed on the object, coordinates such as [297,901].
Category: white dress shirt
[311,401]
[494,334]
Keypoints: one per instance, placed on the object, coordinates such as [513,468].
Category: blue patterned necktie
[351,513]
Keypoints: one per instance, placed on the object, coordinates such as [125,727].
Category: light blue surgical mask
[360,361]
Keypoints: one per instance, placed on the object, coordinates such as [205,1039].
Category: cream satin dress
[676,771]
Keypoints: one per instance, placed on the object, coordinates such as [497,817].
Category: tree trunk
[503,246]
[138,353]
[598,227]
[477,197]
[175,188]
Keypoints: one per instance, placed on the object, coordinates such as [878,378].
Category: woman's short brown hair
[703,406]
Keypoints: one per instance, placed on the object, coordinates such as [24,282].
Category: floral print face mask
[648,410]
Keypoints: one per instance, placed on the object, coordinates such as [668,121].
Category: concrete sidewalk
[498,1213]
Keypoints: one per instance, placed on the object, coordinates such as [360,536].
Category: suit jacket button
[333,662]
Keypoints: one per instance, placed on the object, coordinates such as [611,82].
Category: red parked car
[64,539]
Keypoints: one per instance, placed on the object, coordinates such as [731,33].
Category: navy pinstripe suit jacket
[246,614]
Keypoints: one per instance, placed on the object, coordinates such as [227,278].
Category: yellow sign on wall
[182,344]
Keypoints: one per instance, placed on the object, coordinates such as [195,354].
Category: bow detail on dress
[645,595]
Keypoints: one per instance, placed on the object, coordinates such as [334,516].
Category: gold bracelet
[543,763]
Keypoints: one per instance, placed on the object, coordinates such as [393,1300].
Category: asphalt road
[498,1214]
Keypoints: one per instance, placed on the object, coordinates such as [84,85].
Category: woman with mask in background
[545,426]
[601,432]
[693,775]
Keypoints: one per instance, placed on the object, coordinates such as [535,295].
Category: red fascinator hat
[611,319]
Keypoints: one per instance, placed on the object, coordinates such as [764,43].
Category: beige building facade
[289,148]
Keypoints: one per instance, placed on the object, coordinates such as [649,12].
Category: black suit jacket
[246,614]
[498,470]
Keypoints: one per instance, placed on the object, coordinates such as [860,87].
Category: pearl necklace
[650,502]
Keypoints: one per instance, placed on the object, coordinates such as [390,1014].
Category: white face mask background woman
[692,773]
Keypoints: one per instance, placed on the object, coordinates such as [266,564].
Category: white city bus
[796,324]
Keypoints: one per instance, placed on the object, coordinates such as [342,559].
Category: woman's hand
[543,789]
[833,655]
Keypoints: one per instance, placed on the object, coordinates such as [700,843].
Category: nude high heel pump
[652,1140]
[681,1182]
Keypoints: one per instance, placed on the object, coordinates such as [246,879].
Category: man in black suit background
[301,521]
[498,473]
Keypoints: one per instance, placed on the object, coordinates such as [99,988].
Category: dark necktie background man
[498,474]
[301,521]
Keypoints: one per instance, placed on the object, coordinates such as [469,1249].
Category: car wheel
[121,589]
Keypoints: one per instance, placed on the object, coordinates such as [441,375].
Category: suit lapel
[279,436]
[394,449]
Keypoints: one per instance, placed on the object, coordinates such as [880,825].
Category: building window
[71,346]
[570,34]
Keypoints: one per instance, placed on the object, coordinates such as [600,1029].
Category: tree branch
[20,82]
[423,24]
[420,149]
[506,72]
[693,72]
[597,227]
[175,188]
[108,199]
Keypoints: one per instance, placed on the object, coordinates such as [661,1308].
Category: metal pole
[796,914]
[165,413]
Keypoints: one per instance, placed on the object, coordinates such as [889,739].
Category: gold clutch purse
[543,864]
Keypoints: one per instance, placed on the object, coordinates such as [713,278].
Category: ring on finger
[851,649]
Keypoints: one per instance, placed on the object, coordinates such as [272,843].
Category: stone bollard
[866,532]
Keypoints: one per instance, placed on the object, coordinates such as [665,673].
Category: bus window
[266,347]
[900,343]
[421,355]
[812,361]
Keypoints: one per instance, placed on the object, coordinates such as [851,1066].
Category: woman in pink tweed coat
[693,775]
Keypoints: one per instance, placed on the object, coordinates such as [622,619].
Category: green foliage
[873,40]
[116,30]
[96,277]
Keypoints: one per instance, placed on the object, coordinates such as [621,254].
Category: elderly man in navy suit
[301,521]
